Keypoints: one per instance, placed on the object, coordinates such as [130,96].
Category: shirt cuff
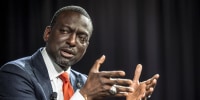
[77,96]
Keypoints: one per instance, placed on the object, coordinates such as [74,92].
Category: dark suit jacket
[27,79]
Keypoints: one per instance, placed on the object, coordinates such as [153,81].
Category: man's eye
[64,31]
[83,38]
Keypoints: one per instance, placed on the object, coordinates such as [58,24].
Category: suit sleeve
[15,84]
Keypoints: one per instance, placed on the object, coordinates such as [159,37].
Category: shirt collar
[53,69]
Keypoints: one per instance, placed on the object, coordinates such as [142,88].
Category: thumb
[97,64]
[138,71]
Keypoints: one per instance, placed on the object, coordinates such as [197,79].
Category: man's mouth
[67,53]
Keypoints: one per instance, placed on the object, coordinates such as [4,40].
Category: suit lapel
[77,79]
[41,73]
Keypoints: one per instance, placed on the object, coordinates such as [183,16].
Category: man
[39,76]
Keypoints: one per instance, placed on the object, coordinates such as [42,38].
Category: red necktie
[67,88]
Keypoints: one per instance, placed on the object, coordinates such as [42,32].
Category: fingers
[107,74]
[99,83]
[150,88]
[98,63]
[151,83]
[119,81]
[123,90]
[156,76]
[138,71]
[112,74]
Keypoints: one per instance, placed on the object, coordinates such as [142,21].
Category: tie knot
[64,77]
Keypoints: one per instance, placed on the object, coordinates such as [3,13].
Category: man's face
[68,39]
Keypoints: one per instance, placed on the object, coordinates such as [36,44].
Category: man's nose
[72,39]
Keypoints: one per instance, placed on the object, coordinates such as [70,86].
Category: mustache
[68,49]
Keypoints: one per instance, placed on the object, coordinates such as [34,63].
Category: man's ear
[46,33]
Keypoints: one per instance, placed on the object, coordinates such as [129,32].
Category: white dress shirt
[54,71]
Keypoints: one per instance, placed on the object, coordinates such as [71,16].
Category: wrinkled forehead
[74,19]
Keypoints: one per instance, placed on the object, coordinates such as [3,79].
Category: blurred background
[162,35]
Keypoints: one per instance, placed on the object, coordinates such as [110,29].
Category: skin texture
[66,43]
